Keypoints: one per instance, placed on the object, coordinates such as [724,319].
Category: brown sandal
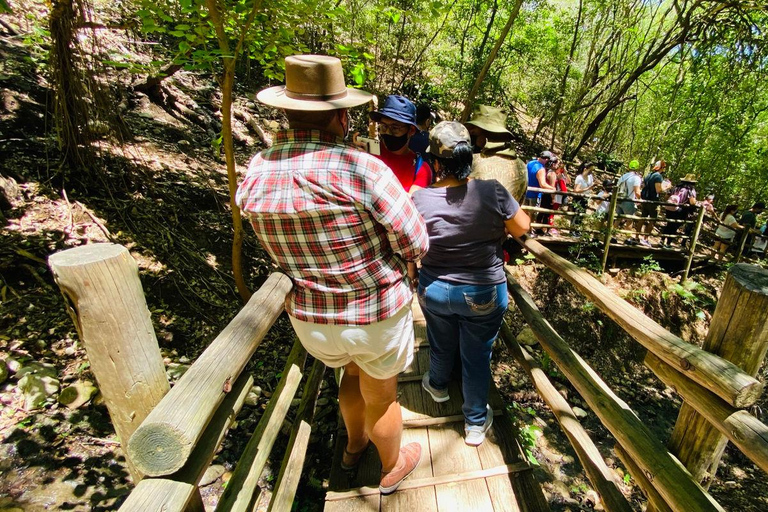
[350,460]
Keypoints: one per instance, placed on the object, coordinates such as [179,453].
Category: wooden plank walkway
[494,477]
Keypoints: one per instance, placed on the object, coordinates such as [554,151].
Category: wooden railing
[690,244]
[716,383]
[170,437]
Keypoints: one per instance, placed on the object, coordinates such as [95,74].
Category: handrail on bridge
[181,429]
[716,383]
[612,221]
[173,435]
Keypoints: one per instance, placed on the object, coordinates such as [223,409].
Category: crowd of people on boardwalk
[640,200]
[359,227]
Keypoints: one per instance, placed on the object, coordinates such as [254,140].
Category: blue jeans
[462,318]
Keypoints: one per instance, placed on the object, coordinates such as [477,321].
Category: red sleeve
[423,176]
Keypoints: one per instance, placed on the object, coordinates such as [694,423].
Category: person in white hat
[336,220]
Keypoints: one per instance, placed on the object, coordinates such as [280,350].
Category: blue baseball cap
[398,108]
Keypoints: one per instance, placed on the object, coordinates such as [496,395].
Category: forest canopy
[683,80]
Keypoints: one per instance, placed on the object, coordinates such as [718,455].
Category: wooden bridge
[611,231]
[170,436]
[451,476]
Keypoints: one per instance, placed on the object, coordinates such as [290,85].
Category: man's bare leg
[352,408]
[383,419]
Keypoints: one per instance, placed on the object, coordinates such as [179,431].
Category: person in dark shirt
[653,187]
[749,219]
[462,286]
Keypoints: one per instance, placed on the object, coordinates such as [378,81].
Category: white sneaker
[438,395]
[474,435]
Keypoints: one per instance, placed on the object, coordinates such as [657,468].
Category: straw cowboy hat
[689,178]
[491,119]
[315,83]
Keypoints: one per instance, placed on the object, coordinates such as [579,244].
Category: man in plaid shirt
[337,221]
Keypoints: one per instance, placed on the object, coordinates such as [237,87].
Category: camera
[372,146]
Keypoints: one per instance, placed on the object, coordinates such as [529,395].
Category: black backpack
[646,192]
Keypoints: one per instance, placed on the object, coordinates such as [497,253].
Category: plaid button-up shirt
[337,221]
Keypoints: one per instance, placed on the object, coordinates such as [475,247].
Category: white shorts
[382,349]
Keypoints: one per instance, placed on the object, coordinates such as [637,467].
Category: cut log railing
[724,378]
[175,492]
[738,333]
[100,283]
[654,498]
[694,242]
[603,479]
[738,425]
[667,475]
[609,228]
[164,441]
[293,462]
[242,490]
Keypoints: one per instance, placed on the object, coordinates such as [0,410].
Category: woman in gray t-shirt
[462,287]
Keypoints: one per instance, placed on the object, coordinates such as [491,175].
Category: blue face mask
[394,142]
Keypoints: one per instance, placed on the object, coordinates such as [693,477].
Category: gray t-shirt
[466,229]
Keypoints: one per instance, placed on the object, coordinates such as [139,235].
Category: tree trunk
[227,83]
[564,81]
[489,61]
[229,155]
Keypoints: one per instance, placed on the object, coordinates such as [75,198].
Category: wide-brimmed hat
[398,108]
[314,83]
[445,136]
[491,119]
[689,178]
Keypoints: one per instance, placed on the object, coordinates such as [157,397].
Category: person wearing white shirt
[584,183]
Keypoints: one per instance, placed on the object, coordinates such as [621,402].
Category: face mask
[393,142]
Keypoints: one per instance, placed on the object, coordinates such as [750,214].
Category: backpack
[647,185]
[623,186]
[678,197]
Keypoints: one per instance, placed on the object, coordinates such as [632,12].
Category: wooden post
[100,283]
[296,451]
[742,243]
[609,226]
[738,333]
[694,240]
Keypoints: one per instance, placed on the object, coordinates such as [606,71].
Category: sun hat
[690,178]
[445,136]
[492,120]
[313,83]
[634,165]
[398,108]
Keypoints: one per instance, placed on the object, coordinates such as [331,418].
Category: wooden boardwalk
[452,476]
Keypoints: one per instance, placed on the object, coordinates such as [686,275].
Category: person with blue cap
[397,124]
